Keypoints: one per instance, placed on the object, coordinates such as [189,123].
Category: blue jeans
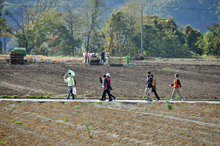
[70,91]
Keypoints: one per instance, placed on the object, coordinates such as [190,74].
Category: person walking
[107,88]
[148,89]
[109,79]
[154,87]
[71,84]
[177,86]
[103,56]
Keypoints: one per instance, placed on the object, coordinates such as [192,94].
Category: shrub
[40,96]
[177,97]
[169,105]
[77,107]
[15,96]
[144,96]
[5,96]
[46,97]
[65,120]
[18,122]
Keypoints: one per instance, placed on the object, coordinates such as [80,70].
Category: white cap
[108,74]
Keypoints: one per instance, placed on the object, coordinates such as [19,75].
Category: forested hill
[197,13]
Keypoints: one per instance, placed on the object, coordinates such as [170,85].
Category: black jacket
[106,83]
[149,82]
[103,55]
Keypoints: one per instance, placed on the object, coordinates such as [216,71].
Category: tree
[192,36]
[29,25]
[93,10]
[5,30]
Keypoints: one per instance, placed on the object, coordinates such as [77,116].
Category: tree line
[44,28]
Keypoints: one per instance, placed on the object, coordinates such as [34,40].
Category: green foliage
[15,96]
[77,107]
[192,114]
[65,120]
[5,96]
[177,97]
[122,96]
[19,122]
[215,104]
[103,103]
[169,105]
[3,142]
[88,130]
[144,96]
[181,133]
[145,109]
[0,81]
[132,110]
[21,102]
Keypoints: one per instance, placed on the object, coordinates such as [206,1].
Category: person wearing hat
[71,84]
[177,86]
[109,79]
[154,87]
[107,88]
[148,89]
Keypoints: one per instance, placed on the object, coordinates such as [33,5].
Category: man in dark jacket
[103,56]
[148,89]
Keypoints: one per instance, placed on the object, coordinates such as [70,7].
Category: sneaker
[183,99]
[66,98]
[147,99]
[110,100]
[171,99]
[72,98]
[101,99]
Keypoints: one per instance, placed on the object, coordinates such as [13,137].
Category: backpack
[154,82]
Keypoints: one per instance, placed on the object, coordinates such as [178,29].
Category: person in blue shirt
[90,51]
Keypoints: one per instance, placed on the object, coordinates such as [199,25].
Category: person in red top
[177,86]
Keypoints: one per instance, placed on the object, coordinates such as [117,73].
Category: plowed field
[108,124]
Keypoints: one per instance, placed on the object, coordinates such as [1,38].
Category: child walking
[177,86]
[71,84]
[107,88]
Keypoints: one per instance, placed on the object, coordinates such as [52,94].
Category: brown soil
[109,124]
[200,80]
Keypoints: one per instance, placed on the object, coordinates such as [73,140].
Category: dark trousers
[70,91]
[155,92]
[103,59]
[104,94]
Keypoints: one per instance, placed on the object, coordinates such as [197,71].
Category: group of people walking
[105,81]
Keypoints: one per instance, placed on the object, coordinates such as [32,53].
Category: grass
[85,95]
[132,110]
[22,102]
[122,96]
[19,122]
[181,133]
[15,96]
[5,96]
[192,114]
[215,104]
[88,130]
[139,96]
[77,107]
[144,96]
[48,108]
[145,109]
[169,105]
[126,115]
[138,104]
[65,120]
[177,97]
[1,83]
[3,142]
[104,103]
